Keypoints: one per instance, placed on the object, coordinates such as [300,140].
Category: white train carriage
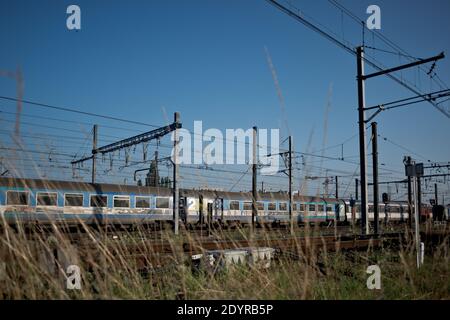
[43,201]
[72,202]
[394,211]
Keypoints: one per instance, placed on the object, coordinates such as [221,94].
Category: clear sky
[143,60]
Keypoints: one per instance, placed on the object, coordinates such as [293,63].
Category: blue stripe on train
[104,218]
[88,218]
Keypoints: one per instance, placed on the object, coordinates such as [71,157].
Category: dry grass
[110,271]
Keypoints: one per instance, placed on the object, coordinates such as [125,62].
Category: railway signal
[385,197]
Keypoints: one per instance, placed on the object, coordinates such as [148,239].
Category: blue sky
[143,60]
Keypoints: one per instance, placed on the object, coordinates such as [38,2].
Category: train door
[210,214]
[337,212]
[218,209]
[386,214]
[183,209]
[200,209]
[353,210]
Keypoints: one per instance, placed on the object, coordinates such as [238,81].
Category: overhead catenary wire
[72,110]
[68,121]
[403,148]
[99,115]
[398,50]
[372,62]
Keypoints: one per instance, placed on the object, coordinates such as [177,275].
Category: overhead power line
[350,50]
[399,51]
[77,111]
[67,121]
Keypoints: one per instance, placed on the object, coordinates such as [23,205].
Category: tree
[152,179]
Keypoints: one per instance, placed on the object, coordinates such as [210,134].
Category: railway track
[156,252]
[149,253]
[78,233]
[152,250]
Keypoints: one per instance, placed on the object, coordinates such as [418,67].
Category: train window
[282,206]
[121,201]
[234,205]
[73,200]
[247,206]
[321,208]
[312,208]
[395,209]
[47,199]
[349,208]
[162,203]
[271,206]
[142,202]
[260,206]
[294,207]
[329,208]
[302,207]
[99,201]
[17,198]
[371,208]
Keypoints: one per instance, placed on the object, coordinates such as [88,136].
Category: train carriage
[30,200]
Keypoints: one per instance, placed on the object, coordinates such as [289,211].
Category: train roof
[81,186]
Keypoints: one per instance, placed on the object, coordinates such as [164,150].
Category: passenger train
[46,201]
